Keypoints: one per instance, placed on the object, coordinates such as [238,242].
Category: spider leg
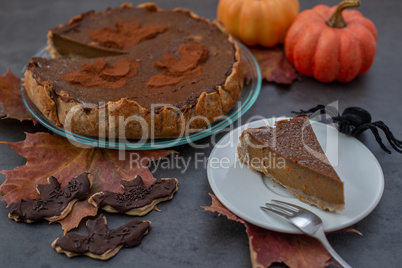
[377,136]
[309,111]
[395,143]
[344,126]
[360,129]
[330,111]
[387,131]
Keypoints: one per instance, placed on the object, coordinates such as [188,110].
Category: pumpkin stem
[336,20]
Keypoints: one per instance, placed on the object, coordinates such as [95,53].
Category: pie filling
[291,155]
[177,57]
[164,69]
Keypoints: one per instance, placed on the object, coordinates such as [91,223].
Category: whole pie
[291,155]
[136,72]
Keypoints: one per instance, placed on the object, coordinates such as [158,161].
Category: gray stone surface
[182,235]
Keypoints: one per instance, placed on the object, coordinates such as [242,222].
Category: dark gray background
[182,235]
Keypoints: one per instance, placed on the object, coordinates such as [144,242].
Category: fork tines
[281,208]
[305,220]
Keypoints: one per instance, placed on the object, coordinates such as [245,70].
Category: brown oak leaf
[274,66]
[52,155]
[10,98]
[268,247]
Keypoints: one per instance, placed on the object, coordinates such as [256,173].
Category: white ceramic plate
[243,190]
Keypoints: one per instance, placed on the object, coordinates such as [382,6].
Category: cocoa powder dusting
[125,35]
[102,74]
[174,70]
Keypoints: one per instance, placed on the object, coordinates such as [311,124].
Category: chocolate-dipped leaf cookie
[136,200]
[101,242]
[54,203]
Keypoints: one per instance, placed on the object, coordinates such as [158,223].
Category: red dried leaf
[52,155]
[267,247]
[274,66]
[79,211]
[349,230]
[10,98]
[217,206]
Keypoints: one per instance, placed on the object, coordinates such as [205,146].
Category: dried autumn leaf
[10,98]
[274,66]
[52,155]
[267,247]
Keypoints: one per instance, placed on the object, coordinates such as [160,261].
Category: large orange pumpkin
[258,22]
[331,47]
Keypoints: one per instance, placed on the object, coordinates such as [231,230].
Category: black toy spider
[356,120]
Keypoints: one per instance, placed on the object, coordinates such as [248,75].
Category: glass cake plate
[249,94]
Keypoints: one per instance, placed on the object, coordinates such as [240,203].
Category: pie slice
[290,155]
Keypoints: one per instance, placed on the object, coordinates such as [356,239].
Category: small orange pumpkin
[338,48]
[258,22]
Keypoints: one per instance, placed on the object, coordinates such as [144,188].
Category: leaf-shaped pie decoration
[177,70]
[125,35]
[101,242]
[10,98]
[52,155]
[267,247]
[102,74]
[137,200]
[274,66]
[54,203]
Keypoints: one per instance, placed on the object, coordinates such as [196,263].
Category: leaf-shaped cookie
[54,203]
[137,200]
[101,242]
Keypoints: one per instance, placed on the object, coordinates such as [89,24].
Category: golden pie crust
[108,120]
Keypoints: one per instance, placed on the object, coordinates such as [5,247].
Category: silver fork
[306,221]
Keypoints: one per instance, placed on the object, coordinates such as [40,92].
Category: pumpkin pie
[136,72]
[291,156]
